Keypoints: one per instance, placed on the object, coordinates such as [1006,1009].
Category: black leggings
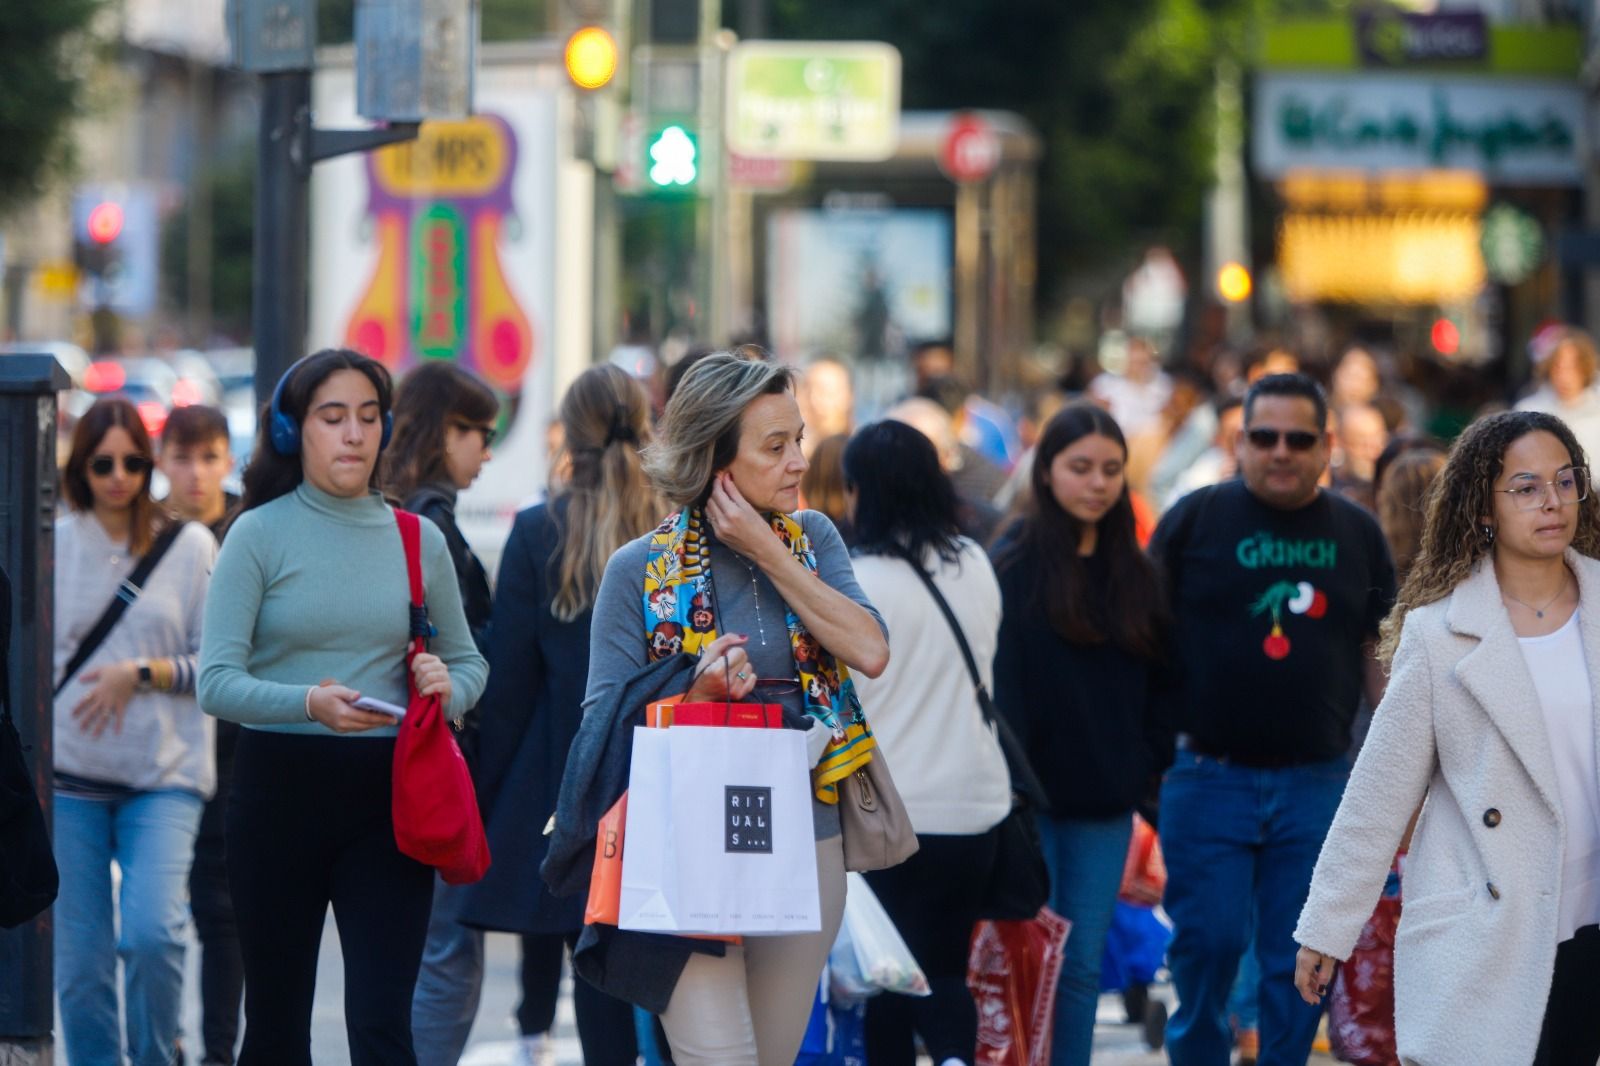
[934,898]
[605,1025]
[1571,1033]
[309,824]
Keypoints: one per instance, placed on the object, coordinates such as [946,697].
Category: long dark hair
[904,499]
[1046,537]
[428,400]
[271,475]
[147,518]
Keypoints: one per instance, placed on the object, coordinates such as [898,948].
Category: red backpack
[436,819]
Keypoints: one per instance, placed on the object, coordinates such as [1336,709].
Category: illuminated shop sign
[1512,132]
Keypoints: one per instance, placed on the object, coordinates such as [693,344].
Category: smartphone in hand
[377,706]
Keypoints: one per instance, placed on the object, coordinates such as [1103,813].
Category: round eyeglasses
[1571,485]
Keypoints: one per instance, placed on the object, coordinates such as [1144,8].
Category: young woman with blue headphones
[310,614]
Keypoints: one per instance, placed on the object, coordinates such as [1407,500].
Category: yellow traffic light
[591,57]
[1233,283]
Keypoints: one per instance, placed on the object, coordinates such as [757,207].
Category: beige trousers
[750,1006]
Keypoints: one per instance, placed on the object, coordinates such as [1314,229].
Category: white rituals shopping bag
[719,834]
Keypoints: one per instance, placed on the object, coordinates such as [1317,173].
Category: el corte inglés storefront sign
[1513,131]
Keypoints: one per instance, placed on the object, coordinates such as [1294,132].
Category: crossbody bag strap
[127,592]
[1023,778]
[411,540]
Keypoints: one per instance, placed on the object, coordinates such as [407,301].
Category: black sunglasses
[1298,440]
[489,432]
[103,465]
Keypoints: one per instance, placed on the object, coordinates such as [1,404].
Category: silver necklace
[1538,612]
[755,593]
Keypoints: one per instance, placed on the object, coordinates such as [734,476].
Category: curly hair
[1452,533]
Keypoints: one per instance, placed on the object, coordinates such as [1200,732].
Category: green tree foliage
[1120,91]
[44,62]
[232,228]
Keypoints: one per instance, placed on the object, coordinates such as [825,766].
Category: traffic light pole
[286,149]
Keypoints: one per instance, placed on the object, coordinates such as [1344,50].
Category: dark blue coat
[538,670]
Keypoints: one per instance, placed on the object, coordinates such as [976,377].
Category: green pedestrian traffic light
[673,158]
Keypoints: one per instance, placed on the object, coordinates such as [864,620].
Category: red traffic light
[105,222]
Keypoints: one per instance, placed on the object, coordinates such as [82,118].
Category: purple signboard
[1396,39]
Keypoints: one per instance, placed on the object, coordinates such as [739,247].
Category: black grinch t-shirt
[1272,609]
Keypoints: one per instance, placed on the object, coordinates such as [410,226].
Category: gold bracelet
[162,674]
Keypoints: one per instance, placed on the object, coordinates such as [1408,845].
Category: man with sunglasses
[1278,587]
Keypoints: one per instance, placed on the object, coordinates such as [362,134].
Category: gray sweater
[617,642]
[165,742]
[311,587]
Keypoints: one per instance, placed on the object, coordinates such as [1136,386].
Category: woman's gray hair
[699,433]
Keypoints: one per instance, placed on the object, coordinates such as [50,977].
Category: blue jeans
[151,837]
[1240,843]
[445,1002]
[1086,857]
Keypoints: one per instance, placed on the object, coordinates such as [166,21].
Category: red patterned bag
[1361,1001]
[1012,973]
[1144,873]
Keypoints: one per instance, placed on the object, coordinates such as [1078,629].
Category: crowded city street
[799,533]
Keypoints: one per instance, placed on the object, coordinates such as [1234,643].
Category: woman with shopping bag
[766,598]
[1490,716]
[926,710]
[309,618]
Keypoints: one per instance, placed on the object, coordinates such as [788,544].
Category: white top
[1582,416]
[1134,404]
[1561,679]
[946,761]
[166,741]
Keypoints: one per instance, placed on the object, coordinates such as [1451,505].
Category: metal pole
[28,386]
[282,226]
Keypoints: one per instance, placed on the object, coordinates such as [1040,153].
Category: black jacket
[1093,718]
[529,713]
[639,968]
[437,503]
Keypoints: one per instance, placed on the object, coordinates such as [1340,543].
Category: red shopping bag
[1144,874]
[1361,1001]
[436,818]
[1012,973]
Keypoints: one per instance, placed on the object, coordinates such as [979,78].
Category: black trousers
[221,965]
[1571,1033]
[309,825]
[605,1024]
[934,898]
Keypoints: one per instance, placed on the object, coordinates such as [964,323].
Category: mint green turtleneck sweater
[312,587]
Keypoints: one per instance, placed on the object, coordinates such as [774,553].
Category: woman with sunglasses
[309,615]
[444,425]
[1082,636]
[1489,716]
[133,752]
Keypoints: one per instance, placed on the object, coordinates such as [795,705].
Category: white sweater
[165,742]
[946,761]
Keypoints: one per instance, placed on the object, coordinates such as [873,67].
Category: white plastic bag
[869,955]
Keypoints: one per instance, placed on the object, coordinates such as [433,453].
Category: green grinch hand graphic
[1300,598]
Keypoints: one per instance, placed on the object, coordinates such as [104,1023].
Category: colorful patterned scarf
[679,615]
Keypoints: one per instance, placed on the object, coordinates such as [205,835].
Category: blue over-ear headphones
[284,431]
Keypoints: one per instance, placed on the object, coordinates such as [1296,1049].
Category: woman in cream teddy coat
[1505,861]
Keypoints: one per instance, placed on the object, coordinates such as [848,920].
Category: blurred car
[146,381]
[197,380]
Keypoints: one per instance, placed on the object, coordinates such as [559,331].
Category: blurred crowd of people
[1089,549]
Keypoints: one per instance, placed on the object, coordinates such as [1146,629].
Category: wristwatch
[144,673]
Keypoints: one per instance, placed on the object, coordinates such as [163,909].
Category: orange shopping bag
[605,883]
